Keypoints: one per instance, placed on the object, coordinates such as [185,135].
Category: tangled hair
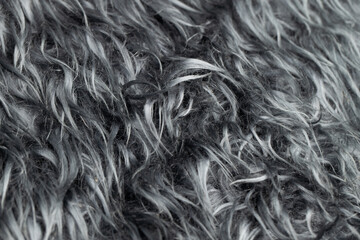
[179,119]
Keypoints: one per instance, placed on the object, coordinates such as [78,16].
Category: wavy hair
[179,119]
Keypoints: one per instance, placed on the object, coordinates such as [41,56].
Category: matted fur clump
[172,119]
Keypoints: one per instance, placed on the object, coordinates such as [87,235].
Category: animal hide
[179,119]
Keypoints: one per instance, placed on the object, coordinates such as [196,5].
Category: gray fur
[194,119]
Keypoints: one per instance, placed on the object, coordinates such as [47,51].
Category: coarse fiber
[179,119]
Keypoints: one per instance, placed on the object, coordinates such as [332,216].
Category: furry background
[171,119]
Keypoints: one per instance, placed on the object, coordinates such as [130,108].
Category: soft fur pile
[172,119]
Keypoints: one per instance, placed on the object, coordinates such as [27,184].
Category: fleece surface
[169,119]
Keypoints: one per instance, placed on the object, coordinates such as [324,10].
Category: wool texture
[179,119]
